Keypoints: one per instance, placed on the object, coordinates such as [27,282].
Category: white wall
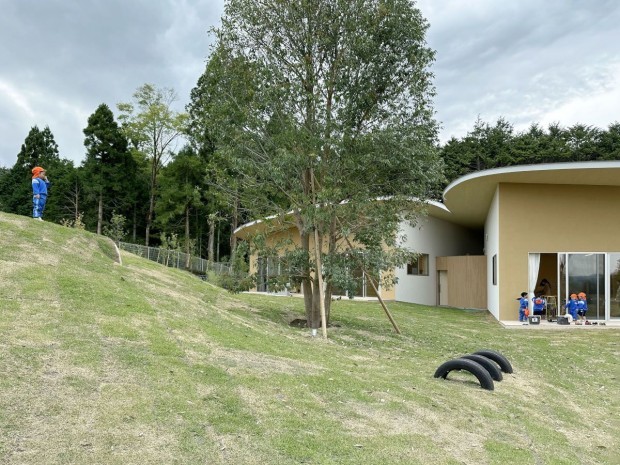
[491,248]
[437,238]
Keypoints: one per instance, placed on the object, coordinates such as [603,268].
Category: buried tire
[488,364]
[483,376]
[498,358]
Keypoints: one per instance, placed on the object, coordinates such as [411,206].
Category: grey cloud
[63,58]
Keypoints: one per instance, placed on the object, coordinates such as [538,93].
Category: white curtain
[534,266]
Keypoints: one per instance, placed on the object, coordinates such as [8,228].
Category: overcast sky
[527,60]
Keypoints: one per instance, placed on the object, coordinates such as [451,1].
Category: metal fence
[175,259]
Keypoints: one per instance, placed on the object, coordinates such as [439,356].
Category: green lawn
[140,364]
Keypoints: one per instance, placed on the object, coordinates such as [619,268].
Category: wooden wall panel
[467,281]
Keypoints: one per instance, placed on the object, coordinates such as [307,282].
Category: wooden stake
[372,282]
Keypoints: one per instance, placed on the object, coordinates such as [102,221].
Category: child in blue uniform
[523,307]
[539,305]
[582,308]
[571,306]
[40,184]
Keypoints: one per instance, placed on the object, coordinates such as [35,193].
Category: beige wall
[289,238]
[537,218]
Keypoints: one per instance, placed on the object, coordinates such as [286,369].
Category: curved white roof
[469,198]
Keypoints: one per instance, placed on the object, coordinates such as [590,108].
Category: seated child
[582,308]
[571,307]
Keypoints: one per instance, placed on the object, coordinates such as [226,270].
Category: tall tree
[109,167]
[609,143]
[215,119]
[152,127]
[339,115]
[181,187]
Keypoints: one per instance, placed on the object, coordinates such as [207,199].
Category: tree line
[133,184]
[495,145]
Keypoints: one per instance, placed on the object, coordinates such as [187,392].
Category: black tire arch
[502,361]
[483,376]
[488,365]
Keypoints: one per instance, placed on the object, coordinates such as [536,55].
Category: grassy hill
[102,363]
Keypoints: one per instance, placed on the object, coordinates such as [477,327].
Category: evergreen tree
[609,143]
[109,169]
[181,186]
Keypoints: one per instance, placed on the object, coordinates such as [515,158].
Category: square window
[419,266]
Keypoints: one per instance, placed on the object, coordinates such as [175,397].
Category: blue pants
[38,205]
[522,315]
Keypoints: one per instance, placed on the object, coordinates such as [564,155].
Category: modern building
[500,232]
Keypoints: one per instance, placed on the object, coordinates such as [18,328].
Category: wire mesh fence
[176,259]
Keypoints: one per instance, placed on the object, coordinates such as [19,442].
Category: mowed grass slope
[140,364]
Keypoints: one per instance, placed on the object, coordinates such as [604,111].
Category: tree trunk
[77,202]
[234,225]
[315,317]
[187,239]
[100,213]
[134,234]
[211,246]
[306,282]
[149,218]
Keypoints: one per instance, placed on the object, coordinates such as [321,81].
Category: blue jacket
[582,305]
[571,305]
[39,187]
[539,303]
[523,303]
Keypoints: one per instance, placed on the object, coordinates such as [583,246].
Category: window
[419,266]
[495,270]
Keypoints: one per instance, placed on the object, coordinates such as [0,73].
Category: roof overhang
[469,198]
[287,220]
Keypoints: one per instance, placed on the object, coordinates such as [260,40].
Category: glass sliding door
[584,272]
[614,285]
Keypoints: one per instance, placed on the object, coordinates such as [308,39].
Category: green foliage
[115,230]
[109,170]
[152,128]
[322,102]
[238,280]
[170,241]
[75,223]
[495,146]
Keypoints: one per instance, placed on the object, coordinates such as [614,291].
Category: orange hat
[573,296]
[36,171]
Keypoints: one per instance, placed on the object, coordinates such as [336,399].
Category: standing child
[523,307]
[40,184]
[582,308]
[539,305]
[571,307]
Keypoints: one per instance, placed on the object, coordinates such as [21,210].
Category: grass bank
[136,364]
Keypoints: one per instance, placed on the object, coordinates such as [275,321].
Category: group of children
[576,307]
